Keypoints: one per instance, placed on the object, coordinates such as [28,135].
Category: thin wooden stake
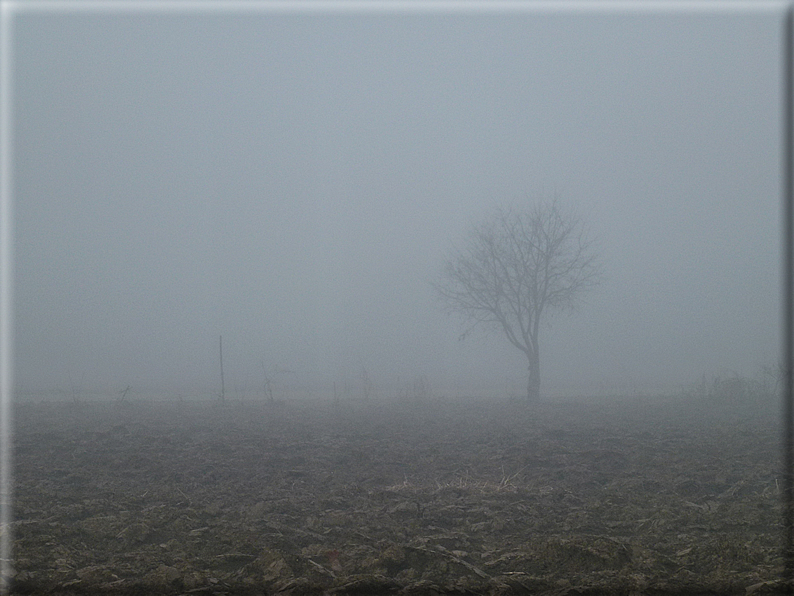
[788,288]
[223,392]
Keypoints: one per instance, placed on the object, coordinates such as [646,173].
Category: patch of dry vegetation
[377,498]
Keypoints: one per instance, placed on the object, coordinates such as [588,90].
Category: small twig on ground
[321,568]
[438,549]
[184,495]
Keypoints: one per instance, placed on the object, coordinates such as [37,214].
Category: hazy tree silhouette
[516,267]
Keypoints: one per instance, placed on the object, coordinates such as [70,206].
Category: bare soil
[407,498]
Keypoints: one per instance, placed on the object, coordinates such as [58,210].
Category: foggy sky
[295,181]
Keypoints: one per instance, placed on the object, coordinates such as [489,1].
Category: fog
[294,181]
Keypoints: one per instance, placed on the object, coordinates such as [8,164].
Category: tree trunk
[533,382]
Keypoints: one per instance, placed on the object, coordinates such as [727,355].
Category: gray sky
[294,182]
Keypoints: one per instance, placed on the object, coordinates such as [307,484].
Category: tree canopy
[516,267]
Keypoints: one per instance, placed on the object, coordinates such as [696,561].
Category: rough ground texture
[412,498]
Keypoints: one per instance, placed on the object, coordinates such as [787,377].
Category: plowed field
[412,498]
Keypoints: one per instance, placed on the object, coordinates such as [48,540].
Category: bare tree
[516,267]
[368,387]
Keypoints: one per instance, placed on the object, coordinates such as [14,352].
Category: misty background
[294,182]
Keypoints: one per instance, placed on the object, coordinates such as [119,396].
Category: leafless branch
[516,267]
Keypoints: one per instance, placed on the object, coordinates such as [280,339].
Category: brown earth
[412,497]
